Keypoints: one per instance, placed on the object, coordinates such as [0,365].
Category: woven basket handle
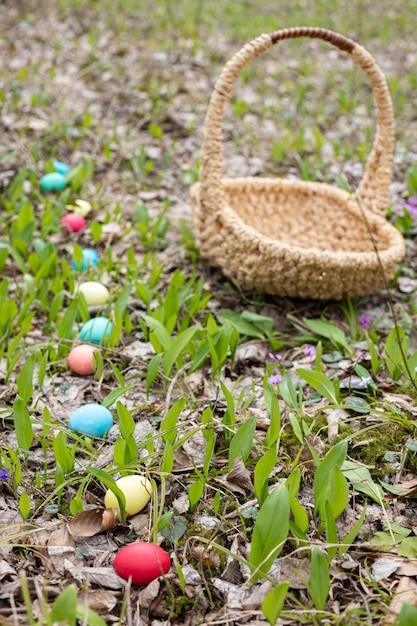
[373,190]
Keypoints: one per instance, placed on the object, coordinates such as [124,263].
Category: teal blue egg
[91,419]
[90,258]
[53,182]
[60,167]
[96,331]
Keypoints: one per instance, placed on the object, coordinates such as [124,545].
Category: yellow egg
[82,207]
[136,489]
[94,293]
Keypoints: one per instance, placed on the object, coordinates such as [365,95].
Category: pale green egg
[94,293]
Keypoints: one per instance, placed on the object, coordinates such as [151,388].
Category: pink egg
[142,561]
[81,359]
[72,223]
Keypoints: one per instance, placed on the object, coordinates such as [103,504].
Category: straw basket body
[296,238]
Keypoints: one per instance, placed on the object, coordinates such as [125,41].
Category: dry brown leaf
[102,576]
[148,595]
[334,417]
[207,555]
[92,522]
[98,599]
[408,488]
[240,475]
[60,537]
[407,568]
[405,592]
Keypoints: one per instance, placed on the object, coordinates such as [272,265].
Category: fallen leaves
[93,521]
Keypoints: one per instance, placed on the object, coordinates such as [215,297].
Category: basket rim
[230,218]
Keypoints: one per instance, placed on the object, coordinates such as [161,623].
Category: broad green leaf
[175,529]
[288,391]
[325,329]
[408,615]
[164,520]
[270,531]
[108,480]
[211,443]
[396,347]
[167,458]
[319,586]
[295,425]
[242,442]
[299,514]
[126,421]
[273,602]
[200,356]
[331,532]
[152,371]
[64,608]
[62,453]
[323,475]
[115,394]
[160,331]
[272,407]
[229,416]
[25,379]
[320,382]
[24,505]
[168,424]
[244,327]
[408,548]
[361,480]
[263,468]
[338,494]
[177,346]
[93,619]
[195,491]
[65,329]
[22,424]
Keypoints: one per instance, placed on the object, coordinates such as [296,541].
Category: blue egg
[53,182]
[97,330]
[90,258]
[91,419]
[60,167]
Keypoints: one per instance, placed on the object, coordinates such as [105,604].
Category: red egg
[72,223]
[142,561]
[81,359]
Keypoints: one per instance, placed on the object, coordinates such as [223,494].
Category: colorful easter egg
[94,293]
[97,330]
[91,419]
[90,258]
[81,359]
[142,561]
[53,182]
[137,491]
[60,167]
[72,223]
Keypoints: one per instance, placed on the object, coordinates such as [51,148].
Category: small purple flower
[364,381]
[275,357]
[310,351]
[5,474]
[275,379]
[411,205]
[364,321]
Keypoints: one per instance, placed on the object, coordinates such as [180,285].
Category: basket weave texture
[298,238]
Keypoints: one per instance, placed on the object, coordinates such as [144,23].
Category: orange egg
[81,359]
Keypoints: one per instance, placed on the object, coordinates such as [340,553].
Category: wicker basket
[290,237]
